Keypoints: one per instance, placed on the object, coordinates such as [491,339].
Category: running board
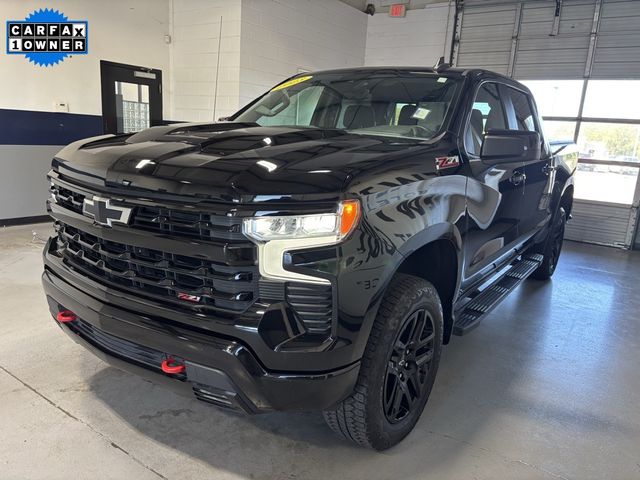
[474,311]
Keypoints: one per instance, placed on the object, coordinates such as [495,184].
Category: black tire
[551,247]
[373,415]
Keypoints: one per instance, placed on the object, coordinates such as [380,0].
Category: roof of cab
[444,69]
[477,74]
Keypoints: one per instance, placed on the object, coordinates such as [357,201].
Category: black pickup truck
[315,250]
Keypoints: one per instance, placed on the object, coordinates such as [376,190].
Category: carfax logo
[46,37]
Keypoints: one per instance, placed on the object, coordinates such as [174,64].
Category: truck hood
[232,161]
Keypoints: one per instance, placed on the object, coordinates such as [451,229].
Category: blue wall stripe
[24,127]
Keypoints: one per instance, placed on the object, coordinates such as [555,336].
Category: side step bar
[473,312]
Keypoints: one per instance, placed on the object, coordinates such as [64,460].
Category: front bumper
[219,369]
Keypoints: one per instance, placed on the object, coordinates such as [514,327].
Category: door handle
[517,178]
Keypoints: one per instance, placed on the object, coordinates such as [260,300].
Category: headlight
[277,235]
[335,225]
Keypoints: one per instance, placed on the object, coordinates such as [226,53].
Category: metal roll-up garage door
[526,39]
[561,40]
[617,51]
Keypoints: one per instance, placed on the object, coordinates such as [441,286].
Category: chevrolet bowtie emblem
[102,212]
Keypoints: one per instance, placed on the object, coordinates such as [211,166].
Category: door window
[132,107]
[522,111]
[486,114]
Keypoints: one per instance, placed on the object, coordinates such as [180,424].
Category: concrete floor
[547,388]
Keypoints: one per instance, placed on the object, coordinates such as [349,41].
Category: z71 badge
[447,162]
[188,297]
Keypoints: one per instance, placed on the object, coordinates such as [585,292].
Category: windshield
[396,104]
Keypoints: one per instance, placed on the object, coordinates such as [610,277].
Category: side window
[486,114]
[522,110]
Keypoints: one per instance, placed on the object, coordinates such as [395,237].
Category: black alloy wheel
[408,366]
[398,368]
[556,241]
[551,247]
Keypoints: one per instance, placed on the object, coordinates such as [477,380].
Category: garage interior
[547,387]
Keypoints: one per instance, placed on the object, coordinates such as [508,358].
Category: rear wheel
[398,368]
[552,247]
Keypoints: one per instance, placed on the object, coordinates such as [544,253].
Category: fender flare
[431,234]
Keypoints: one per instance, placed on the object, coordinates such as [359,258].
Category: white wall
[280,37]
[418,39]
[262,43]
[194,58]
[119,30]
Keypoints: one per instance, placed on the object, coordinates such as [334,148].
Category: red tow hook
[66,316]
[172,366]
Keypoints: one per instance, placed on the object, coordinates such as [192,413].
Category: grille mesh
[67,198]
[158,274]
[177,223]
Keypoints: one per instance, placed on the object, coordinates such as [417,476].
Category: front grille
[188,282]
[179,223]
[313,304]
[176,223]
[158,274]
[67,198]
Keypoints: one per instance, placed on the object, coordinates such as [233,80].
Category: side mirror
[504,146]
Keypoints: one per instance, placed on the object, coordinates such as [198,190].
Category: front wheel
[552,247]
[398,368]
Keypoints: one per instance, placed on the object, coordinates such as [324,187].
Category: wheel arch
[566,200]
[435,256]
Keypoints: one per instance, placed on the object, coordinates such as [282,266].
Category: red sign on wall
[397,10]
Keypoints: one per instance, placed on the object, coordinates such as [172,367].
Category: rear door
[538,173]
[494,192]
[131,97]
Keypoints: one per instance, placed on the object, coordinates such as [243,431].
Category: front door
[539,174]
[494,192]
[131,97]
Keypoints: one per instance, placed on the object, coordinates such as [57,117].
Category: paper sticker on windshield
[447,162]
[291,83]
[420,113]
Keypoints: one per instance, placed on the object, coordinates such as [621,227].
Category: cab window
[522,112]
[486,114]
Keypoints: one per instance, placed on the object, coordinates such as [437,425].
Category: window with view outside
[599,139]
[616,143]
[398,104]
[609,141]
[556,98]
[618,99]
[559,130]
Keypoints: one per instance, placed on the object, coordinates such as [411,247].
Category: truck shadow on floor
[500,372]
